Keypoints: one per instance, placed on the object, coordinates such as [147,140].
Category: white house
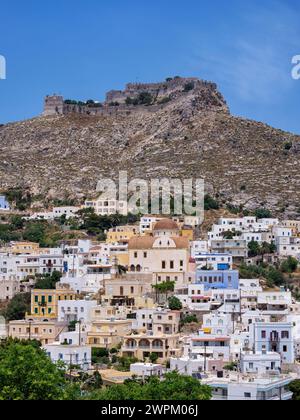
[208,345]
[71,355]
[107,207]
[147,369]
[236,387]
[275,337]
[76,310]
[260,363]
[217,324]
[274,303]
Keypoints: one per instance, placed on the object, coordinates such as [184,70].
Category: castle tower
[53,105]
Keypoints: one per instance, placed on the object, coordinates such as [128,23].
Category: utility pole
[70,367]
[79,323]
[205,357]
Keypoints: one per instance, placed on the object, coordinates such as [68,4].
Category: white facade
[147,369]
[260,363]
[199,247]
[213,261]
[275,337]
[75,310]
[235,387]
[67,211]
[211,346]
[147,223]
[107,207]
[218,324]
[73,355]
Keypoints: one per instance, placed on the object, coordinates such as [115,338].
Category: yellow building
[119,252]
[44,303]
[165,255]
[187,232]
[24,248]
[46,332]
[121,233]
[108,333]
[128,290]
[141,346]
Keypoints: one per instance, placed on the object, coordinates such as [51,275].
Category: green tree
[16,222]
[254,249]
[262,213]
[17,307]
[165,288]
[290,265]
[228,234]
[189,319]
[210,203]
[173,387]
[175,304]
[294,387]
[26,373]
[153,357]
[35,232]
[47,281]
[274,277]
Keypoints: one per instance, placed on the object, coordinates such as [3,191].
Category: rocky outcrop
[192,135]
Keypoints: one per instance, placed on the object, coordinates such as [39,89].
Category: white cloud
[255,61]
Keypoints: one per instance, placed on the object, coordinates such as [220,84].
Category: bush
[174,387]
[288,146]
[17,307]
[210,203]
[47,281]
[190,319]
[290,265]
[144,98]
[189,86]
[175,304]
[99,354]
[262,213]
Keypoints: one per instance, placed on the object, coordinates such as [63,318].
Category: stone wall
[204,93]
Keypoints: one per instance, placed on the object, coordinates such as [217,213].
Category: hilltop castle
[138,96]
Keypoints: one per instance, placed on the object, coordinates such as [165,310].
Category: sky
[82,49]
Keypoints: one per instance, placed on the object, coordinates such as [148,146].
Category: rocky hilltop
[179,128]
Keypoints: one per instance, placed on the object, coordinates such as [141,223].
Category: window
[285,334]
[284,349]
[163,264]
[263,334]
[145,254]
[247,395]
[172,265]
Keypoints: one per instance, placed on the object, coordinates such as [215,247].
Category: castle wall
[171,90]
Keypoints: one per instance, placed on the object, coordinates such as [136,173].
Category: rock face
[192,134]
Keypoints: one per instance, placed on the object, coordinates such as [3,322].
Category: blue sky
[81,49]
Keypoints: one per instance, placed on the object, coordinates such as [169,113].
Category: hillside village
[157,295]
